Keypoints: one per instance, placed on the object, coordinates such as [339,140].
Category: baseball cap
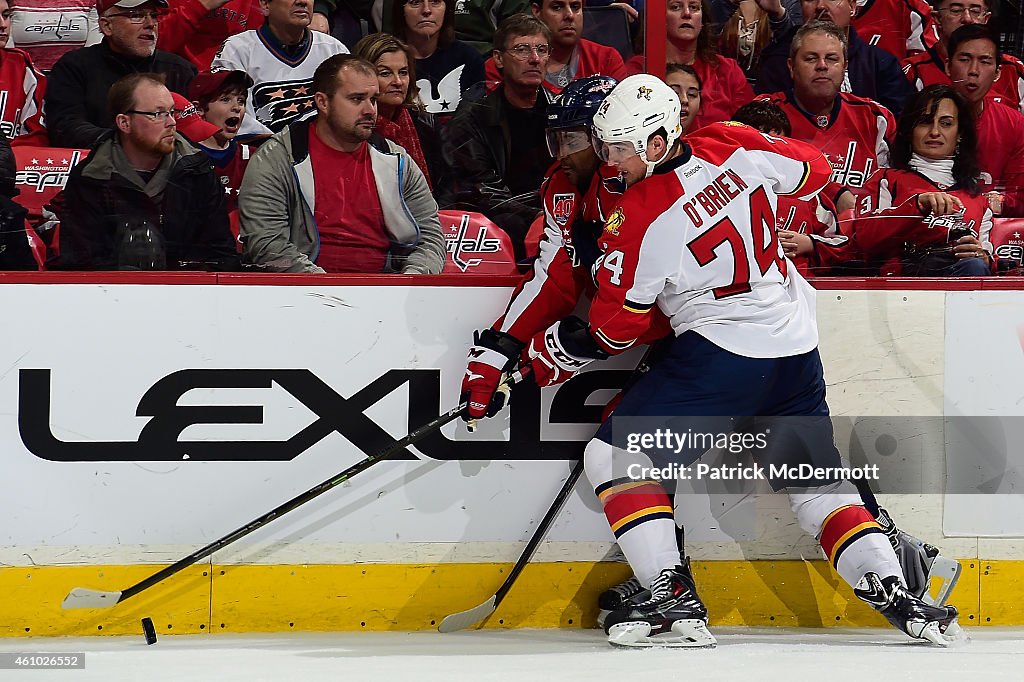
[209,83]
[189,121]
[103,5]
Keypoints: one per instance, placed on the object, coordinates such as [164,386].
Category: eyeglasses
[959,10]
[155,116]
[139,16]
[522,52]
[418,4]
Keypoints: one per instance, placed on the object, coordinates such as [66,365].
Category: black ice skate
[937,624]
[618,596]
[921,563]
[673,616]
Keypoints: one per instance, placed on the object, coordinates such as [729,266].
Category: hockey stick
[84,598]
[464,619]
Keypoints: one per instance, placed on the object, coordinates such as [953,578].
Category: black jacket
[15,253]
[76,90]
[189,211]
[476,146]
[873,72]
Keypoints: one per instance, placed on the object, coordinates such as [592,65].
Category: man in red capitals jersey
[21,90]
[694,237]
[900,27]
[852,131]
[929,67]
[577,195]
[974,58]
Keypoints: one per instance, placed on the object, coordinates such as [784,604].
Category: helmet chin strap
[651,165]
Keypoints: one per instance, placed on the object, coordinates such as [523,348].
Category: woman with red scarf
[399,97]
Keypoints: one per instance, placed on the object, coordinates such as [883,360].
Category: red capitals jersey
[928,68]
[855,135]
[815,217]
[229,165]
[887,218]
[1001,155]
[900,27]
[698,241]
[21,99]
[561,273]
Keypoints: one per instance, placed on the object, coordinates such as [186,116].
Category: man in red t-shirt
[328,195]
[571,56]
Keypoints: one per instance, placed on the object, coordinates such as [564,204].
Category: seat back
[475,245]
[1007,239]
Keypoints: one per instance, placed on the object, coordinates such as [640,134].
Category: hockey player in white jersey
[694,236]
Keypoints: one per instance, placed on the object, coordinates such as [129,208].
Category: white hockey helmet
[638,107]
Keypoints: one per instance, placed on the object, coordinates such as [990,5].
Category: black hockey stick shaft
[540,532]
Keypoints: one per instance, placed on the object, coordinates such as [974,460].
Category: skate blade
[685,634]
[953,635]
[947,572]
[602,614]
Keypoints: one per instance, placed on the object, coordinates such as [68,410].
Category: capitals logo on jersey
[280,103]
[953,223]
[843,171]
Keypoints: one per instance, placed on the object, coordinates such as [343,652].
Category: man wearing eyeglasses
[494,145]
[76,93]
[571,55]
[929,68]
[145,179]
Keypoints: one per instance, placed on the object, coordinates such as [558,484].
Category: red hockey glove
[548,356]
[493,355]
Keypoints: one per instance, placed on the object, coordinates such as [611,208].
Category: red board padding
[475,245]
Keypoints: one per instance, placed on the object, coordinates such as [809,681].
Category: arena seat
[1007,239]
[475,245]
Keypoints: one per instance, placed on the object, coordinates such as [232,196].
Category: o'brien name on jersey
[715,196]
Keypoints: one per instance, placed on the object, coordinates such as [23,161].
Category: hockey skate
[919,620]
[618,596]
[921,563]
[673,616]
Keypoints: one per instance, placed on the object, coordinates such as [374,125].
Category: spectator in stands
[46,29]
[15,253]
[973,65]
[924,216]
[327,194]
[280,57]
[871,71]
[23,88]
[685,82]
[76,90]
[220,98]
[398,107]
[852,131]
[494,147]
[690,41]
[148,183]
[748,28]
[929,67]
[900,27]
[446,68]
[195,29]
[477,21]
[572,56]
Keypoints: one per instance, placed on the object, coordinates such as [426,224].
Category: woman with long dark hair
[923,216]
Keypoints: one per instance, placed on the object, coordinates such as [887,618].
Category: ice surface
[750,654]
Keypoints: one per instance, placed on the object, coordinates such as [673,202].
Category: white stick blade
[84,598]
[464,619]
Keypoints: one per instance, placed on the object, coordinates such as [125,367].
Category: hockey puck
[149,630]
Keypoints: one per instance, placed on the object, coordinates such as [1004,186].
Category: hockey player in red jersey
[577,195]
[852,131]
[694,238]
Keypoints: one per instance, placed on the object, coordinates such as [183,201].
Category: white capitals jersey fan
[698,240]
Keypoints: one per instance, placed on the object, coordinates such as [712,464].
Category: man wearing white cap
[76,95]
